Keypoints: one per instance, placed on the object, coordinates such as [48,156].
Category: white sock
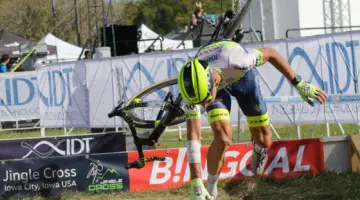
[212,185]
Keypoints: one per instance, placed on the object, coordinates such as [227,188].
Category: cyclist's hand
[308,91]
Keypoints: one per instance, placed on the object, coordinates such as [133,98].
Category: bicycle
[170,109]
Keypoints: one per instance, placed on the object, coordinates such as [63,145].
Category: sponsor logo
[45,148]
[237,164]
[103,179]
[34,180]
[284,159]
[257,108]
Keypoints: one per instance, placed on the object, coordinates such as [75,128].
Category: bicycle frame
[169,110]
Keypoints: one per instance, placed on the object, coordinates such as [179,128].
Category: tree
[159,15]
[35,18]
[165,15]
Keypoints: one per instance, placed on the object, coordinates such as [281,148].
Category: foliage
[166,15]
[35,18]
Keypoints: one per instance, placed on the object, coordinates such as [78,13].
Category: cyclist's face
[217,80]
[217,77]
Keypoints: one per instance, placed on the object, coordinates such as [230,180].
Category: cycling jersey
[236,68]
[231,59]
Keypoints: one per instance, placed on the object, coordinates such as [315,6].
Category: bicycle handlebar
[115,112]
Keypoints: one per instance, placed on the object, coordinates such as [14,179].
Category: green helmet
[196,81]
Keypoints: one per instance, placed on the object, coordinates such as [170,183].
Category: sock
[212,185]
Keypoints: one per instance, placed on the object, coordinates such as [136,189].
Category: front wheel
[147,104]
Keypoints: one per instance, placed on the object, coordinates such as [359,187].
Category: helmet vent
[188,81]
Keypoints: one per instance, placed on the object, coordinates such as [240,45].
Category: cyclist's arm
[245,59]
[270,55]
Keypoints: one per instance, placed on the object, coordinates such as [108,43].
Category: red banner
[285,158]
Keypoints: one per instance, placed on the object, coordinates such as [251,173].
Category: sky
[311,15]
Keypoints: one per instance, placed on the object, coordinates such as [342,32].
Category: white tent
[65,51]
[148,34]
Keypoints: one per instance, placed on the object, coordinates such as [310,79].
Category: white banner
[64,95]
[19,96]
[80,94]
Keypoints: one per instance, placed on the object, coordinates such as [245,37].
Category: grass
[19,134]
[327,186]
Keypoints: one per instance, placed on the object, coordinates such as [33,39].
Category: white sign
[64,95]
[19,96]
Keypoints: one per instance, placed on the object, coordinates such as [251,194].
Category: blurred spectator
[5,59]
[196,17]
[200,15]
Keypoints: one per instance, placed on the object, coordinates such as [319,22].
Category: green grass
[8,135]
[327,186]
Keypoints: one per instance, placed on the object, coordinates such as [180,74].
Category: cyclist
[231,68]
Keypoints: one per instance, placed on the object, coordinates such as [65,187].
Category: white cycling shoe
[258,161]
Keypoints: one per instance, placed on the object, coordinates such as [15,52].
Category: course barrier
[79,94]
[62,146]
[105,172]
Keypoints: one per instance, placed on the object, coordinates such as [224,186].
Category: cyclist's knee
[262,135]
[266,143]
[223,142]
[222,133]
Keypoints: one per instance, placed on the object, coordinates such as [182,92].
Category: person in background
[196,17]
[5,59]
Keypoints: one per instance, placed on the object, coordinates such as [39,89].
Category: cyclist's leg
[248,94]
[219,119]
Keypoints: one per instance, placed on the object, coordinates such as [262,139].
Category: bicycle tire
[142,123]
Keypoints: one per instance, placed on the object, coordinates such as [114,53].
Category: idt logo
[12,93]
[337,59]
[59,87]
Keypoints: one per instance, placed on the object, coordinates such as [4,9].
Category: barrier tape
[331,99]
